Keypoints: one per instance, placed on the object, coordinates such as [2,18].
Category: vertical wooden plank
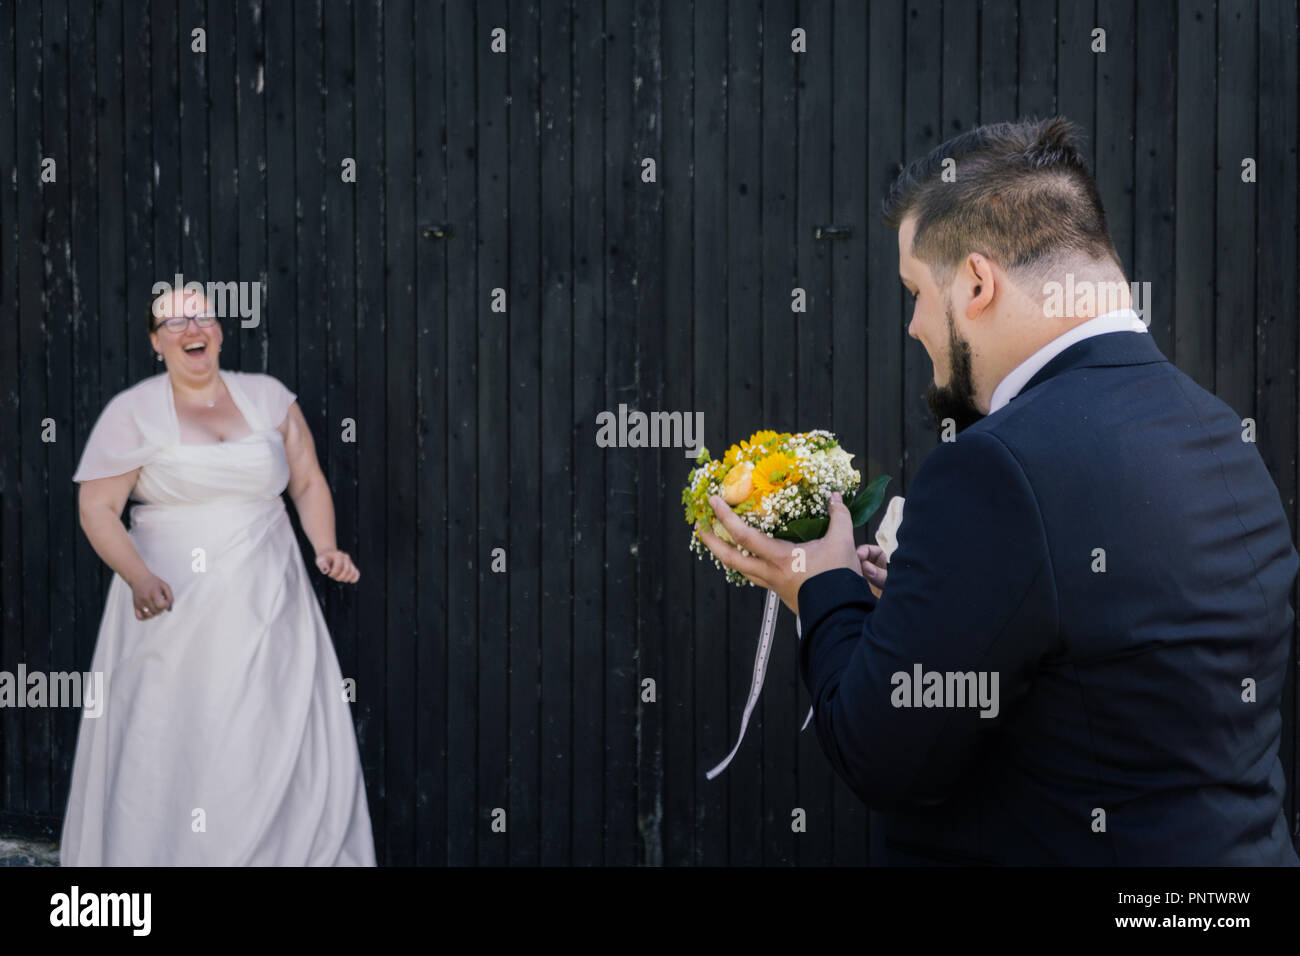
[223,187]
[622,185]
[1036,50]
[493,156]
[999,63]
[280,320]
[164,96]
[79,570]
[725,351]
[137,82]
[559,433]
[1076,67]
[248,347]
[685,89]
[960,91]
[466,814]
[819,74]
[432,479]
[643,645]
[118,323]
[1276,390]
[1196,192]
[762,789]
[589,460]
[60,595]
[1155,150]
[12,427]
[525,548]
[854,203]
[886,321]
[400,385]
[372,604]
[1235,215]
[1116,124]
[192,70]
[33,402]
[311,352]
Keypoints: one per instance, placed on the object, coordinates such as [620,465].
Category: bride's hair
[1019,193]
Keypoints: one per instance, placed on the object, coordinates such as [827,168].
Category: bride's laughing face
[951,394]
[190,350]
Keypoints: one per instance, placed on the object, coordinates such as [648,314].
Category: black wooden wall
[522,171]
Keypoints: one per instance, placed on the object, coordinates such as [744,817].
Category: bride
[226,737]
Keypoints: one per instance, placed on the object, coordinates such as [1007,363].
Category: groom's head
[984,221]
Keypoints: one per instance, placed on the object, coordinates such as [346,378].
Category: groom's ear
[982,283]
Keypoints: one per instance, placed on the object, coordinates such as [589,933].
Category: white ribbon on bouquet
[756,683]
[887,538]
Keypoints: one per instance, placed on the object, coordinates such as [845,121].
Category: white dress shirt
[1121,320]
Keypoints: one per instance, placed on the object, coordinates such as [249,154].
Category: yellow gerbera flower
[761,437]
[775,471]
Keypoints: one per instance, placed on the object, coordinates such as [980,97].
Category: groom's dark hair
[1021,194]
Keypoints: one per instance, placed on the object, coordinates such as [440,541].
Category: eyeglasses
[178,323]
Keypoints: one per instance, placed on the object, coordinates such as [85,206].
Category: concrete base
[17,851]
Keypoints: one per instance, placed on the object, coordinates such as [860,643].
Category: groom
[1080,652]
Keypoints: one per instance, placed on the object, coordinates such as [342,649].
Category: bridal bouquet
[780,483]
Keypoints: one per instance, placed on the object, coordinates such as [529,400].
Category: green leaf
[868,501]
[804,529]
[864,504]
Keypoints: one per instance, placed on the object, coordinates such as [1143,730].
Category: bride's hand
[336,564]
[151,596]
[874,563]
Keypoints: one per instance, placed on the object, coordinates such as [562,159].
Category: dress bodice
[140,429]
[252,467]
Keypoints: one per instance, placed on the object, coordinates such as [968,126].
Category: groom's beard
[956,400]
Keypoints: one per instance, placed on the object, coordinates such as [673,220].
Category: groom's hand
[783,566]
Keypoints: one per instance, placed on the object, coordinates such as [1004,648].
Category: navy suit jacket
[1127,731]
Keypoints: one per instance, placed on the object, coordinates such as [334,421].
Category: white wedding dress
[226,737]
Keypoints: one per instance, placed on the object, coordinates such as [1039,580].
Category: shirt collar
[1119,320]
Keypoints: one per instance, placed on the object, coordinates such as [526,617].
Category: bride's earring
[158,356]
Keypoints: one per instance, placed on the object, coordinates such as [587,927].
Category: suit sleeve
[970,591]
